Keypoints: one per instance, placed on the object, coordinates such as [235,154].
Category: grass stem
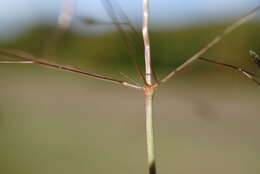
[148,90]
[149,133]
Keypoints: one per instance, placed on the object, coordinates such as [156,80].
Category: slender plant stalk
[148,91]
[248,74]
[16,62]
[148,69]
[149,131]
[29,59]
[134,36]
[242,20]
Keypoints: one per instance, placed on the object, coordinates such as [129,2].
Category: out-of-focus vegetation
[207,119]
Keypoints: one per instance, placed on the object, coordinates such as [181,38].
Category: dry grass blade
[36,60]
[218,38]
[246,73]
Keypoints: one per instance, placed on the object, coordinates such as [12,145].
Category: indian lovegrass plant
[149,79]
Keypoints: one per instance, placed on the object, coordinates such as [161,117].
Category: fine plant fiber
[111,12]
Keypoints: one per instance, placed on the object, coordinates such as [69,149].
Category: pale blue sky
[17,15]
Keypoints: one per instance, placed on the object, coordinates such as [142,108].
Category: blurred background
[54,122]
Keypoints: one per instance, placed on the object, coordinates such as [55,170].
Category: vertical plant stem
[149,133]
[148,69]
[148,90]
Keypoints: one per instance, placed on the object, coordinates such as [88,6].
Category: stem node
[148,90]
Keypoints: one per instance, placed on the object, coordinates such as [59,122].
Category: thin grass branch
[255,58]
[36,60]
[16,62]
[248,74]
[129,79]
[242,20]
[135,34]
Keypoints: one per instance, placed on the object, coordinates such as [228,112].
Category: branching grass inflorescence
[149,79]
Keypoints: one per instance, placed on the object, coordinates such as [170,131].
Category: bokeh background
[54,122]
